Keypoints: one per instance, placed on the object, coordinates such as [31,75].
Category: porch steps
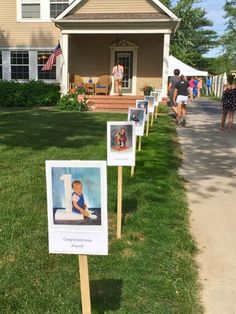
[109,103]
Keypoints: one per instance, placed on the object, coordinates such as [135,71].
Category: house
[94,34]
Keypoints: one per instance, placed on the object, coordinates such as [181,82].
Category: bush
[73,102]
[28,94]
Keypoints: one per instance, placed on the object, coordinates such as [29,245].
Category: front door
[126,59]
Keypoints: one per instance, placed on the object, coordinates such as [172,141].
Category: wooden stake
[139,143]
[119,202]
[132,171]
[152,118]
[156,109]
[84,284]
[147,127]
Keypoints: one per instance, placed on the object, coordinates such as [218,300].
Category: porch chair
[78,80]
[103,85]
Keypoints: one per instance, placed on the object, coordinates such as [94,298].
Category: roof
[165,11]
[116,16]
[184,68]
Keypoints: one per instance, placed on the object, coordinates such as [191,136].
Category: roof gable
[116,7]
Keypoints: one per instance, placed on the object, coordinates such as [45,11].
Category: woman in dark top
[228,103]
[182,91]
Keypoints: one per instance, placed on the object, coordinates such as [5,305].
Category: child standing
[118,72]
[78,204]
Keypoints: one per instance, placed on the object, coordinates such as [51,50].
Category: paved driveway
[209,168]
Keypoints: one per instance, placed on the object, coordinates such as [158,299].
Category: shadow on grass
[39,129]
[106,295]
[129,206]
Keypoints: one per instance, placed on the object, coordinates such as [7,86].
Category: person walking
[171,88]
[228,103]
[182,91]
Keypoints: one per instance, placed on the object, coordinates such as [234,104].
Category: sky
[215,13]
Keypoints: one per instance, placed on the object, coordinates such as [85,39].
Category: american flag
[49,64]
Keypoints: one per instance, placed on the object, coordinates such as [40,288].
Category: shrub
[28,94]
[73,102]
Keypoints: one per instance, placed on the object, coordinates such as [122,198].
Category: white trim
[67,10]
[26,48]
[6,65]
[33,65]
[44,12]
[65,79]
[116,31]
[76,2]
[165,64]
[165,9]
[116,20]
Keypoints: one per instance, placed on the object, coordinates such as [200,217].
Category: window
[0,65]
[57,6]
[19,65]
[30,11]
[42,59]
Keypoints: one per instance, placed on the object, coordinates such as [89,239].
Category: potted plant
[147,89]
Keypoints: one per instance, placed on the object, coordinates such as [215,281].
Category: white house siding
[116,6]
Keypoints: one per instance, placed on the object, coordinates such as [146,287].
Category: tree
[193,37]
[228,40]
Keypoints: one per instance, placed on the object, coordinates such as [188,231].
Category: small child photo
[137,115]
[151,103]
[121,138]
[77,206]
[143,104]
[121,143]
[76,196]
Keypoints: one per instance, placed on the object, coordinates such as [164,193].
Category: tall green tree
[228,40]
[194,36]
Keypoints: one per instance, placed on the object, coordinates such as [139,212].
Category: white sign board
[151,103]
[77,207]
[143,104]
[121,143]
[137,115]
[157,97]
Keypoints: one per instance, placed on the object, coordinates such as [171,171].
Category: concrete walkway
[209,168]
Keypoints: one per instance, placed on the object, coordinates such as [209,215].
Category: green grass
[150,270]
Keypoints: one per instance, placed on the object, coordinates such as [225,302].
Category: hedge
[28,94]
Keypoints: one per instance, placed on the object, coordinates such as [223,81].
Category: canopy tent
[185,69]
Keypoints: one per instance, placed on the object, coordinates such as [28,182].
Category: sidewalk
[209,168]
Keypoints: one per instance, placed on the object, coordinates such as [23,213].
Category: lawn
[150,270]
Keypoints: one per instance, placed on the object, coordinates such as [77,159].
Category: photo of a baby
[77,206]
[76,196]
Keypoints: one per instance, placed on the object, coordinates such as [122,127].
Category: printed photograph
[137,115]
[151,103]
[121,143]
[76,195]
[121,138]
[156,96]
[143,104]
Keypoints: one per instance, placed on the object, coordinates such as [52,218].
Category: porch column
[64,78]
[166,51]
